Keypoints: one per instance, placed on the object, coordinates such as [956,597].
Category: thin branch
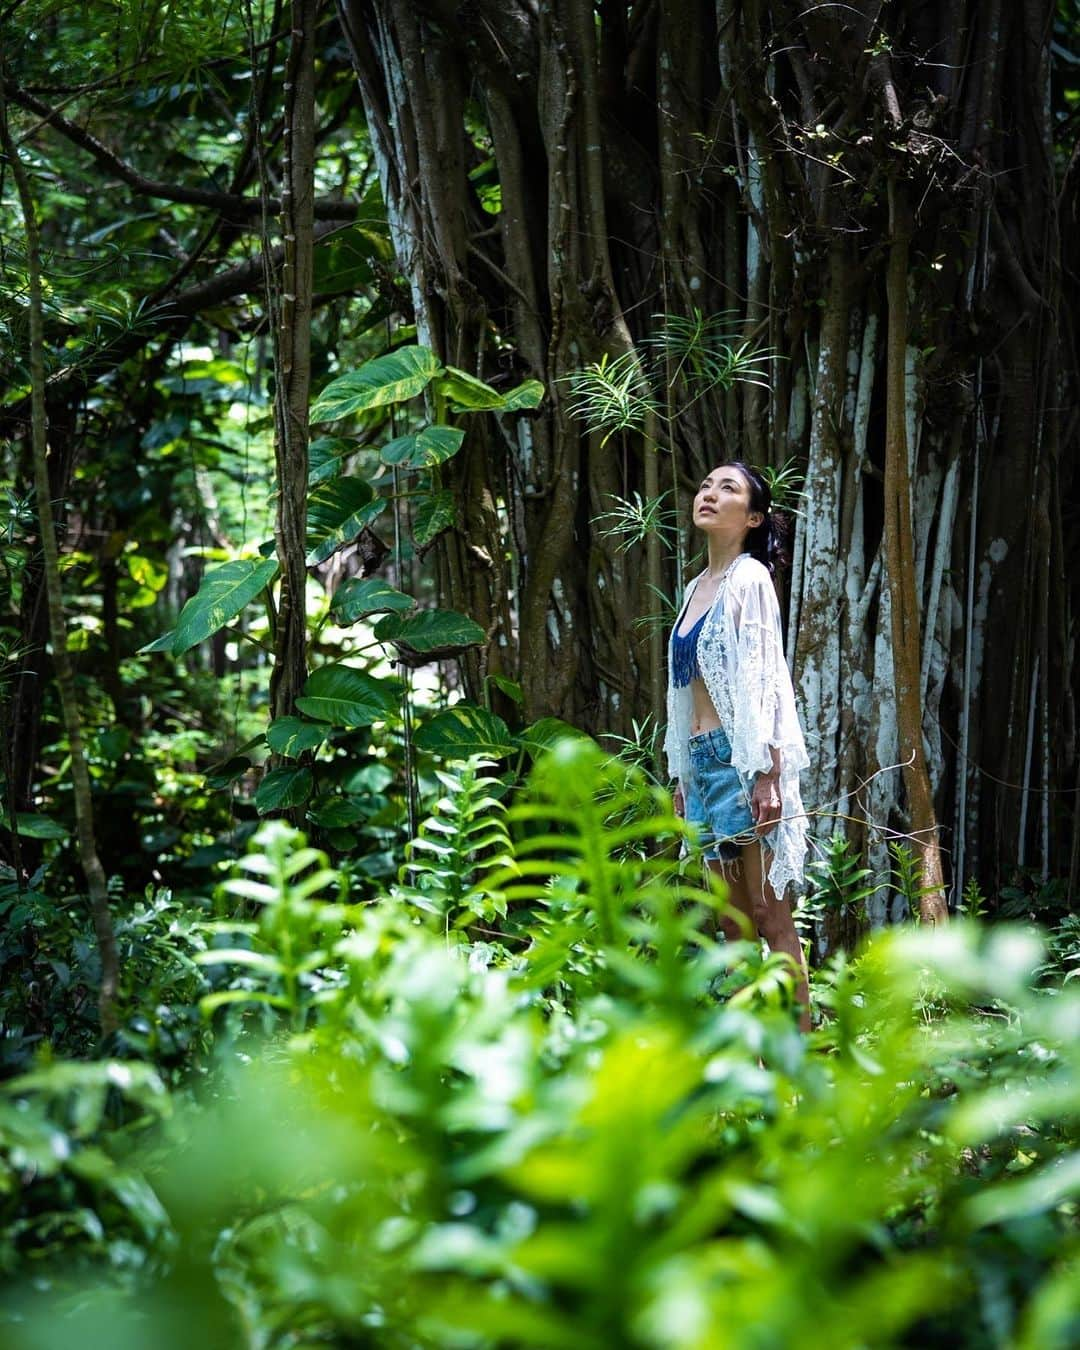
[229,204]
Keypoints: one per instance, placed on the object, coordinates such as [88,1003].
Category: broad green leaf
[432,445]
[510,688]
[546,732]
[465,393]
[32,826]
[358,597]
[223,775]
[433,514]
[325,454]
[223,594]
[291,736]
[345,697]
[429,630]
[528,394]
[335,813]
[393,378]
[337,512]
[282,788]
[464,730]
[164,643]
[343,259]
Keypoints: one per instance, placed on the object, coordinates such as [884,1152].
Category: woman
[733,739]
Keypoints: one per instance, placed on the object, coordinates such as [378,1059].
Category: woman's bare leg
[750,893]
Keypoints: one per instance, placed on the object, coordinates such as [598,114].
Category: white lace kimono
[741,658]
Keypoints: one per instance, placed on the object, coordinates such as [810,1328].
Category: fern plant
[601,896]
[282,959]
[906,877]
[457,847]
[837,879]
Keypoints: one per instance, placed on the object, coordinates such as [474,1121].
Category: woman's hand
[678,801]
[765,804]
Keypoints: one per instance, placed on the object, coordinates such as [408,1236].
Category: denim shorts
[717,800]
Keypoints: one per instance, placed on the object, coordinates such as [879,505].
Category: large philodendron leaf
[433,513]
[358,597]
[441,632]
[464,730]
[393,378]
[292,736]
[343,260]
[345,697]
[325,457]
[422,449]
[223,594]
[337,511]
[465,393]
[282,788]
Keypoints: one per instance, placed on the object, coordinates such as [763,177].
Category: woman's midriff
[702,713]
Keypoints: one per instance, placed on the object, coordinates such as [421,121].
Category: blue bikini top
[684,662]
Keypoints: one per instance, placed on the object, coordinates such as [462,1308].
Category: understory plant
[601,1129]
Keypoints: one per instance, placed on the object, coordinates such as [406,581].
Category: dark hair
[767,542]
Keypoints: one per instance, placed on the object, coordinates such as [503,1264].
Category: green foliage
[430,630]
[224,592]
[611,395]
[463,731]
[599,1128]
[464,839]
[337,511]
[631,520]
[706,353]
[838,881]
[347,697]
[393,378]
[906,876]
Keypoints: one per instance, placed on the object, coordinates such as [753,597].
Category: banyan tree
[874,198]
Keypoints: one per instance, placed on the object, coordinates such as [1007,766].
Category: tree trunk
[735,158]
[899,553]
[293,350]
[94,873]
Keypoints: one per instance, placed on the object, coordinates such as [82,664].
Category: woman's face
[722,503]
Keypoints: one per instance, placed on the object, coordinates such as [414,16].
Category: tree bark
[293,349]
[899,552]
[94,873]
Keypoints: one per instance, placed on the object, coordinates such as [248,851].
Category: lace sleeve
[759,671]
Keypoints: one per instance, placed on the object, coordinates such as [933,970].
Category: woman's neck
[721,556]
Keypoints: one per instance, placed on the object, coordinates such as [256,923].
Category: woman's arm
[766,805]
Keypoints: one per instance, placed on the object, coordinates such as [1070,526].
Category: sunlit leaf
[282,788]
[422,449]
[358,597]
[393,378]
[346,697]
[430,629]
[464,730]
[291,736]
[325,455]
[433,514]
[337,511]
[465,393]
[223,594]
